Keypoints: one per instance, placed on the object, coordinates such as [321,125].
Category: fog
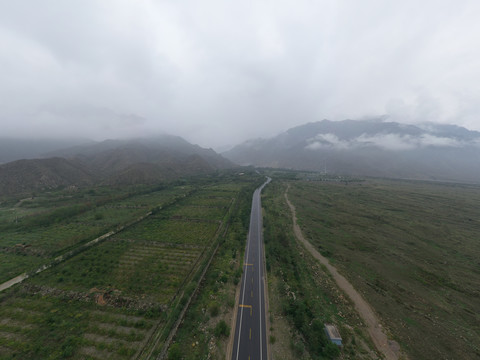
[218,73]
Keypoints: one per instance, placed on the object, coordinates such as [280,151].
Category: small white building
[333,334]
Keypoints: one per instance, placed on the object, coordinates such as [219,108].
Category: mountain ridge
[370,147]
[111,162]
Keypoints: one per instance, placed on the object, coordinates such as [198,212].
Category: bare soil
[119,329]
[15,323]
[93,352]
[389,348]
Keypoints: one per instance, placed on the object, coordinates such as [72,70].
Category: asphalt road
[250,341]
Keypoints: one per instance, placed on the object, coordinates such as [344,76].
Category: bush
[222,329]
[174,352]
[213,309]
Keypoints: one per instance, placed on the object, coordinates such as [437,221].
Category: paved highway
[250,341]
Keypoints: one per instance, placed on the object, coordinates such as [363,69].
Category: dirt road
[389,348]
[13,281]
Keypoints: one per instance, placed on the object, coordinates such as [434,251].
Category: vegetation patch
[205,330]
[411,249]
[303,292]
[122,295]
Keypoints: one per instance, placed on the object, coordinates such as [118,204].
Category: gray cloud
[220,72]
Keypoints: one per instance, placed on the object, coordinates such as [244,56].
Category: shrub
[222,329]
[213,309]
[174,352]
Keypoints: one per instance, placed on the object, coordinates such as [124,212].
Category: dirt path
[389,348]
[13,281]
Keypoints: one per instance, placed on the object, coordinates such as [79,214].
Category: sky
[221,72]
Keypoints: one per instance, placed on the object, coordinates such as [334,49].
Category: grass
[13,264]
[303,293]
[411,249]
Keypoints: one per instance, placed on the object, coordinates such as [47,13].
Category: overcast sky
[219,72]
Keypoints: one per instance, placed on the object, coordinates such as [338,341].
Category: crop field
[172,231]
[411,249]
[108,301]
[217,199]
[57,327]
[36,238]
[198,212]
[204,332]
[126,267]
[207,204]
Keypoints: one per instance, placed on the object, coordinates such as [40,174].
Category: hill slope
[111,162]
[39,174]
[370,147]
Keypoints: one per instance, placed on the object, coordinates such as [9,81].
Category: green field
[40,326]
[59,224]
[120,296]
[411,248]
[204,333]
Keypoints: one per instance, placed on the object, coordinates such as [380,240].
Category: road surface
[250,341]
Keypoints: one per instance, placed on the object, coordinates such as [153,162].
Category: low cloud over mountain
[370,147]
[385,141]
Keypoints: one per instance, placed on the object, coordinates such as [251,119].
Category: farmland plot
[55,327]
[106,302]
[24,244]
[210,200]
[195,212]
[109,301]
[154,251]
[172,231]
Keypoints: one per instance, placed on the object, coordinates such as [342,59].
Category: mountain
[372,147]
[161,150]
[12,149]
[31,175]
[111,162]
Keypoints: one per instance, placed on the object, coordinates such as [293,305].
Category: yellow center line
[250,336]
[245,306]
[248,264]
[251,293]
